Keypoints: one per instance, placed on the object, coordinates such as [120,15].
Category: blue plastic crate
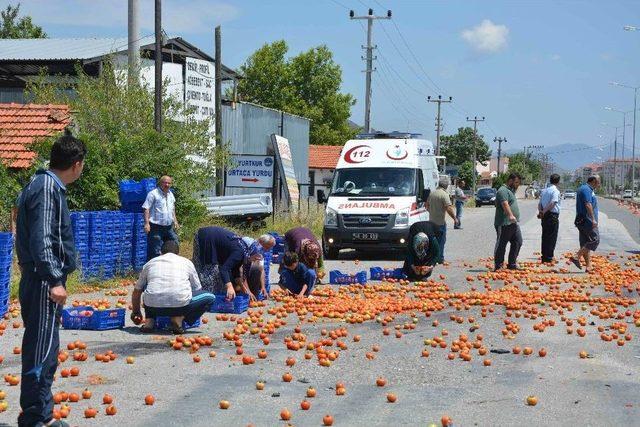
[379,273]
[162,323]
[238,305]
[98,320]
[338,278]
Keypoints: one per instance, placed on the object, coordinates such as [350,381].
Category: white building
[322,162]
[489,171]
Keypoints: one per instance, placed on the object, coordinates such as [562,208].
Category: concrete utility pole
[475,121]
[439,101]
[369,59]
[499,141]
[158,67]
[134,41]
[218,109]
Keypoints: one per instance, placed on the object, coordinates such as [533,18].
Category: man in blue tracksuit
[296,277]
[46,254]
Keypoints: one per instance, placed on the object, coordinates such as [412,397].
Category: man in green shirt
[506,223]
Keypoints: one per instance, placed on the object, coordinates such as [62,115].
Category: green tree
[458,148]
[307,85]
[528,167]
[465,172]
[116,121]
[13,27]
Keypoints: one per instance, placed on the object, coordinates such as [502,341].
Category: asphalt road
[600,390]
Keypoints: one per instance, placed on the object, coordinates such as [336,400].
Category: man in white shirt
[170,286]
[549,212]
[160,220]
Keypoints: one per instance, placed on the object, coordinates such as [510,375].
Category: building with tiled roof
[322,162]
[22,125]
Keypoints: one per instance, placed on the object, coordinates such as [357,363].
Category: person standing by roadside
[160,222]
[506,223]
[587,221]
[438,204]
[549,213]
[460,199]
[47,255]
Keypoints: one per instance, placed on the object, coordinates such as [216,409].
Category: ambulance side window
[420,185]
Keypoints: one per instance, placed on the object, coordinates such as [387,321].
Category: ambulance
[379,189]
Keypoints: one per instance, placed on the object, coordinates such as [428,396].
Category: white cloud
[486,37]
[555,57]
[178,16]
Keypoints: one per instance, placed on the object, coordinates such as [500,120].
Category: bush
[116,122]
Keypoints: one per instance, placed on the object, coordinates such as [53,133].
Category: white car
[569,194]
[628,194]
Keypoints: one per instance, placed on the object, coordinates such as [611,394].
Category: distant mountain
[571,156]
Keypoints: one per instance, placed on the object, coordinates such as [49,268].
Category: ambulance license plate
[365,236]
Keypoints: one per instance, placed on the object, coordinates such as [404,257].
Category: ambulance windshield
[374,182]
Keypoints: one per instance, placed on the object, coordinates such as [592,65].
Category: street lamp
[624,133]
[615,152]
[635,107]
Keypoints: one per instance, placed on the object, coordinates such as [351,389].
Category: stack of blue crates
[6,258]
[80,224]
[109,243]
[139,250]
[125,243]
[133,194]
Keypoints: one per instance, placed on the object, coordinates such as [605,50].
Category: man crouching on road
[171,288]
[297,278]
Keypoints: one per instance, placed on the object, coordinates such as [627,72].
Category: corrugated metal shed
[62,49]
[248,128]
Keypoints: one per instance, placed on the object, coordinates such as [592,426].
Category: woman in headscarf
[302,241]
[220,256]
[423,251]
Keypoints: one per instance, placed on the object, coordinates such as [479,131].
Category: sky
[538,71]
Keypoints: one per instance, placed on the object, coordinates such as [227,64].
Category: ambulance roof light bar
[389,135]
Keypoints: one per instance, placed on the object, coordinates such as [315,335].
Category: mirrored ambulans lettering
[364,205]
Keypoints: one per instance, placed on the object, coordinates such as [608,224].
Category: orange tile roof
[324,156]
[22,125]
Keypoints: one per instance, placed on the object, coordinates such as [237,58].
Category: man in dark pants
[587,221]
[160,222]
[46,254]
[506,223]
[549,213]
[170,287]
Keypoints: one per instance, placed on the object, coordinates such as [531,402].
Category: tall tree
[458,148]
[14,27]
[528,167]
[307,85]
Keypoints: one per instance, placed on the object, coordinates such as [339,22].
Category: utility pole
[218,110]
[615,163]
[475,121]
[499,141]
[157,111]
[133,34]
[369,59]
[439,101]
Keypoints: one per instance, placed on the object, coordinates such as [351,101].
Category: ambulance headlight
[402,218]
[331,218]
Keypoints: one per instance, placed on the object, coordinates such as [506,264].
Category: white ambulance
[379,188]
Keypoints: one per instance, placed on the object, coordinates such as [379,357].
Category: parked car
[569,194]
[628,194]
[485,196]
